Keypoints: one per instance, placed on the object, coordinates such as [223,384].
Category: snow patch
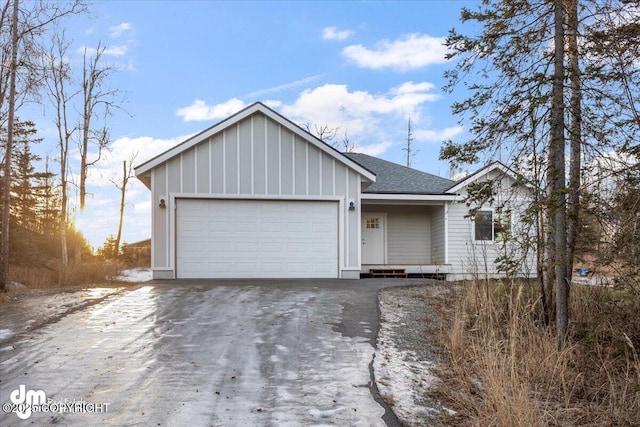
[135,275]
[5,333]
[326,413]
[402,378]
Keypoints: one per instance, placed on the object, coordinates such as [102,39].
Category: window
[373,223]
[490,226]
[484,225]
[502,225]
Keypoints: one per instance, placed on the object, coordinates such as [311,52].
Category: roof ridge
[398,165]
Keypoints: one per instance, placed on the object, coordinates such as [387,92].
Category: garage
[254,196]
[232,238]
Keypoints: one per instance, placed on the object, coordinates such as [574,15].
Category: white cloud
[412,52]
[358,112]
[143,207]
[372,149]
[116,50]
[199,110]
[371,121]
[332,33]
[297,83]
[110,165]
[120,50]
[273,103]
[411,87]
[118,30]
[431,135]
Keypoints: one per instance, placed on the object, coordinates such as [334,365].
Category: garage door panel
[271,247]
[271,227]
[253,239]
[219,247]
[298,227]
[272,267]
[217,266]
[322,248]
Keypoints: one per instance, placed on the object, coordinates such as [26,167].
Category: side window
[490,226]
[502,225]
[484,225]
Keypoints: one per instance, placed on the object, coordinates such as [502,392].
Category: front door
[373,239]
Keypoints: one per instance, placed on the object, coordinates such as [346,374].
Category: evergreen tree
[530,59]
[24,199]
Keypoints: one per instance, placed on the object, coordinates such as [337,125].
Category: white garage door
[256,239]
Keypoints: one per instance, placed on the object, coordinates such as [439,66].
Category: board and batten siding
[256,157]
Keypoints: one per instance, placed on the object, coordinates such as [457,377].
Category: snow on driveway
[199,355]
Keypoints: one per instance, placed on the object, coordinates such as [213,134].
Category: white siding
[469,257]
[256,157]
[437,235]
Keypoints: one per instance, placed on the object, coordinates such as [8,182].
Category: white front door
[373,239]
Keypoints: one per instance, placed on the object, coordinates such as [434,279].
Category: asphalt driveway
[205,353]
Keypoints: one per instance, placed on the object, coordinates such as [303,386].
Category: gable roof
[257,107]
[499,166]
[393,178]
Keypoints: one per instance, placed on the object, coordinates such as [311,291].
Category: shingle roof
[392,178]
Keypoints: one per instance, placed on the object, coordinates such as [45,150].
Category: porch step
[388,272]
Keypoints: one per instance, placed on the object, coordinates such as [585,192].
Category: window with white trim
[484,225]
[492,226]
[501,225]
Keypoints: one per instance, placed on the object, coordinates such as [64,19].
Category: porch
[408,240]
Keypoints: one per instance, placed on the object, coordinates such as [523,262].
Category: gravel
[407,352]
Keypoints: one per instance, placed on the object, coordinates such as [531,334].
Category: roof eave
[403,197]
[479,173]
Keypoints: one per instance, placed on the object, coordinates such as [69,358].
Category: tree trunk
[6,191]
[123,190]
[557,177]
[575,135]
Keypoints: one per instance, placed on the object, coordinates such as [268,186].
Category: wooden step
[387,272]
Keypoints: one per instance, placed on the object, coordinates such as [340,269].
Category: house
[256,196]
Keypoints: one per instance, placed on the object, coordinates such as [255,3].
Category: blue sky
[361,66]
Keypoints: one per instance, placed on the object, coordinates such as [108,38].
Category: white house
[256,196]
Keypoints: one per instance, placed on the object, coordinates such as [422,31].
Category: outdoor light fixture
[162,202]
[352,206]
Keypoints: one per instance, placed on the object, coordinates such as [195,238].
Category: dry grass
[89,272]
[503,368]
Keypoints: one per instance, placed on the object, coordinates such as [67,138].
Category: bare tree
[127,174]
[408,148]
[324,132]
[97,103]
[59,77]
[347,145]
[21,53]
[6,193]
